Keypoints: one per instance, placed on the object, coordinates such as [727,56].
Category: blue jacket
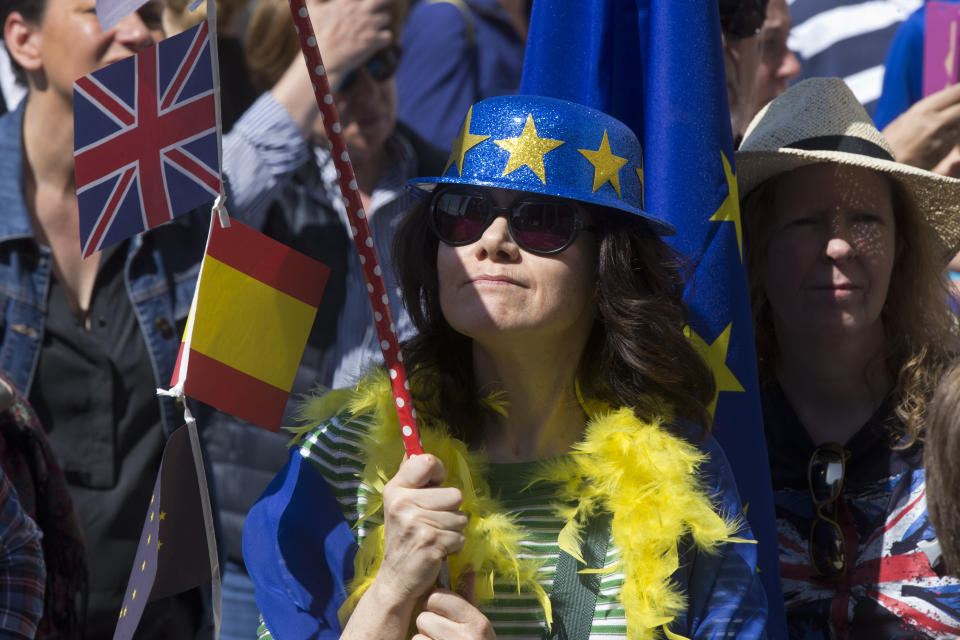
[903,77]
[299,550]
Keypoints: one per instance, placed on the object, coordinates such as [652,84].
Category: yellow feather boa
[643,474]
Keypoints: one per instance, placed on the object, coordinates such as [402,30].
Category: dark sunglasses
[381,66]
[825,475]
[742,18]
[538,224]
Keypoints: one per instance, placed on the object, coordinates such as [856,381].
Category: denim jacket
[160,274]
[161,268]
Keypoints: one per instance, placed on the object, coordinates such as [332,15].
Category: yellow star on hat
[463,143]
[606,166]
[528,150]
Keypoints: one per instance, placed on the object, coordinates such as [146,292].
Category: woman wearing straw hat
[561,407]
[846,250]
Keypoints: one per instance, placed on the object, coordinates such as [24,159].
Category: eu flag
[657,66]
[174,553]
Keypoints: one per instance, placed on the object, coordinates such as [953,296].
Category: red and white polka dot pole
[386,330]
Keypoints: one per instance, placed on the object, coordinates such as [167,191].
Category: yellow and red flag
[255,304]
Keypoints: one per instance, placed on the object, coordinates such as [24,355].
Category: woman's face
[368,114]
[72,43]
[493,291]
[831,251]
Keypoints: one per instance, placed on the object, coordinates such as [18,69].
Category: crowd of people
[571,486]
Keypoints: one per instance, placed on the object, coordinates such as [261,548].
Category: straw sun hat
[819,120]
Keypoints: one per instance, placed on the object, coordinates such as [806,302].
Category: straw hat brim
[936,198]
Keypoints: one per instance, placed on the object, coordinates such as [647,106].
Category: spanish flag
[255,304]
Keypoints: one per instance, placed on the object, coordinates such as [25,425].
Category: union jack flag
[145,139]
[891,591]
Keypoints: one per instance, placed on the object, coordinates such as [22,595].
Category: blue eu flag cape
[657,65]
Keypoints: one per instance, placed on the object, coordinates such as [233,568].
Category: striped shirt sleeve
[260,154]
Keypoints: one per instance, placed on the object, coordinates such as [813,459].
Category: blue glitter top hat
[549,146]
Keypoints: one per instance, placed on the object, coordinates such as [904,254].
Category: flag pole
[386,330]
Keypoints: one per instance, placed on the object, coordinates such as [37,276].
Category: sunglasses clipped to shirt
[538,224]
[825,475]
[381,66]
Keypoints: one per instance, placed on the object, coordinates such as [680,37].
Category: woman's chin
[838,325]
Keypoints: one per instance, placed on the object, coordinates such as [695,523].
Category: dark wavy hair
[636,355]
[919,325]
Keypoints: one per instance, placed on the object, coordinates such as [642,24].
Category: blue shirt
[444,71]
[903,79]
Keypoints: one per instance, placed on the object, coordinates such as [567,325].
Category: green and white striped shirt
[724,597]
[334,449]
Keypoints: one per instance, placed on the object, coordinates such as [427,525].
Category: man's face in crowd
[777,64]
[741,58]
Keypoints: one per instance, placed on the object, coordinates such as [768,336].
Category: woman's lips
[837,290]
[494,280]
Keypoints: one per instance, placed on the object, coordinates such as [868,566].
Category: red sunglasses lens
[543,226]
[459,218]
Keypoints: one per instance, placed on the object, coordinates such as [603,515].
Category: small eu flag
[173,555]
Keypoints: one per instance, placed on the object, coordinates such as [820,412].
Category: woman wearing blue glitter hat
[571,485]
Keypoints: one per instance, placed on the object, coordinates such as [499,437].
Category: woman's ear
[23,40]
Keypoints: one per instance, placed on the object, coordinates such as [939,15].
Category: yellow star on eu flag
[606,166]
[528,150]
[463,143]
[715,355]
[729,210]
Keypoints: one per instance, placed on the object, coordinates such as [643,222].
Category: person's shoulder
[440,13]
[332,434]
[915,24]
[715,466]
[430,160]
[431,23]
[714,470]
